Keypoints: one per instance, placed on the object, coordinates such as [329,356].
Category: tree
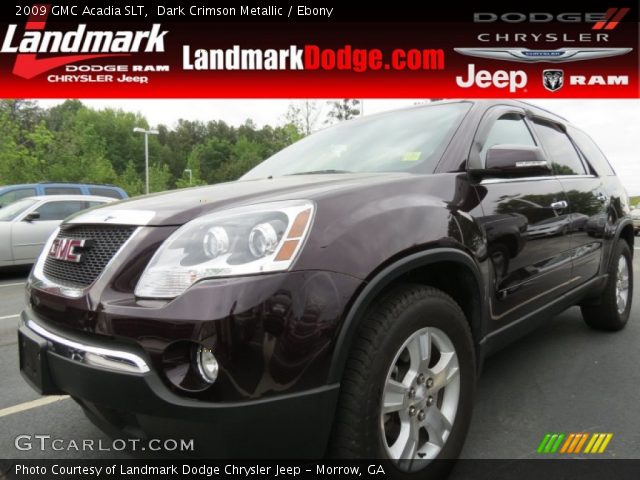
[71,142]
[304,116]
[342,110]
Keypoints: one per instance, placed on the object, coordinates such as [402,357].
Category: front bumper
[122,396]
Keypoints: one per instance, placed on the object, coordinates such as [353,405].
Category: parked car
[11,193]
[340,297]
[26,224]
[635,215]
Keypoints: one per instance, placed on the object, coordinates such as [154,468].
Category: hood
[177,207]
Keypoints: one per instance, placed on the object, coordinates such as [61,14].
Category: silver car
[26,224]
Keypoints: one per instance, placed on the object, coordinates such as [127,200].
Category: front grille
[106,241]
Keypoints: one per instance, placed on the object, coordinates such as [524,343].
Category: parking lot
[562,378]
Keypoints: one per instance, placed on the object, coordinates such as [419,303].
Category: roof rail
[80,183]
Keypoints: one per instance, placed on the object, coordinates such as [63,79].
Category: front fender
[377,284]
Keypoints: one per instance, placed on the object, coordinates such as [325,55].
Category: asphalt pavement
[564,377]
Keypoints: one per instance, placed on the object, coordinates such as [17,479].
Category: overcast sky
[614,124]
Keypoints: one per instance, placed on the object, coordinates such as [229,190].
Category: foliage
[304,116]
[344,109]
[71,142]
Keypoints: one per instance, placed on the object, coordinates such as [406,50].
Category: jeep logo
[514,80]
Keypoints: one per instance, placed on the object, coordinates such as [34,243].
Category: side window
[591,151]
[62,191]
[59,210]
[105,192]
[13,195]
[509,129]
[562,154]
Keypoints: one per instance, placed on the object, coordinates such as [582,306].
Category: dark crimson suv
[340,297]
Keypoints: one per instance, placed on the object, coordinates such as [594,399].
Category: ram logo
[553,80]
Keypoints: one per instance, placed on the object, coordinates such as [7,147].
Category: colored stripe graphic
[570,439]
[572,443]
[583,439]
[607,16]
[611,19]
[614,23]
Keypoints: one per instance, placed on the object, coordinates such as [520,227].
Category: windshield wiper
[317,172]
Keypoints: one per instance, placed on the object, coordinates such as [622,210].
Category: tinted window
[592,153]
[13,195]
[562,154]
[507,130]
[62,191]
[104,192]
[59,210]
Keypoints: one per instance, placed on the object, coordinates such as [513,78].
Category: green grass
[635,201]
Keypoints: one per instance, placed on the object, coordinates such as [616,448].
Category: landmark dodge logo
[92,43]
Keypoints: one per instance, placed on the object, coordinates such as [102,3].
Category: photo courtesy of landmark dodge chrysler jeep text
[340,297]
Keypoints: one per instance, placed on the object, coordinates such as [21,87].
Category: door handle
[561,205]
[601,197]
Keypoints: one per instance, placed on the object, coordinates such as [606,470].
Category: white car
[26,224]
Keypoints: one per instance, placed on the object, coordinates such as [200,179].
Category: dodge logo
[552,79]
[66,249]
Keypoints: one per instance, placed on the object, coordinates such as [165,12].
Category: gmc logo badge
[66,249]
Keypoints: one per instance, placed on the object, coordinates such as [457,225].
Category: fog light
[207,364]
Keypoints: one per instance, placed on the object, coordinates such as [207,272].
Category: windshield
[14,209]
[392,142]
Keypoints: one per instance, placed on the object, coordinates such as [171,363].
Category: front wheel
[407,391]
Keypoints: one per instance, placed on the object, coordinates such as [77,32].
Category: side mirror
[32,216]
[515,161]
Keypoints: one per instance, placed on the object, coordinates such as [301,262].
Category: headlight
[240,241]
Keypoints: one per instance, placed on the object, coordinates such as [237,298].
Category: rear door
[28,237]
[587,196]
[524,220]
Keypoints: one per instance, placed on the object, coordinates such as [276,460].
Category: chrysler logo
[551,56]
[66,249]
[552,79]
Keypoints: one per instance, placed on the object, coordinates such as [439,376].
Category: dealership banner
[319,50]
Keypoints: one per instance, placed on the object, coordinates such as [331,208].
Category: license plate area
[33,361]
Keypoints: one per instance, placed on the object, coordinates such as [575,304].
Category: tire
[612,310]
[380,357]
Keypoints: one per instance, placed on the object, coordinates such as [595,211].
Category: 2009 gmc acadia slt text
[340,297]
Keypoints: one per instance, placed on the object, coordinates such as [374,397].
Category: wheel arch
[627,234]
[449,269]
